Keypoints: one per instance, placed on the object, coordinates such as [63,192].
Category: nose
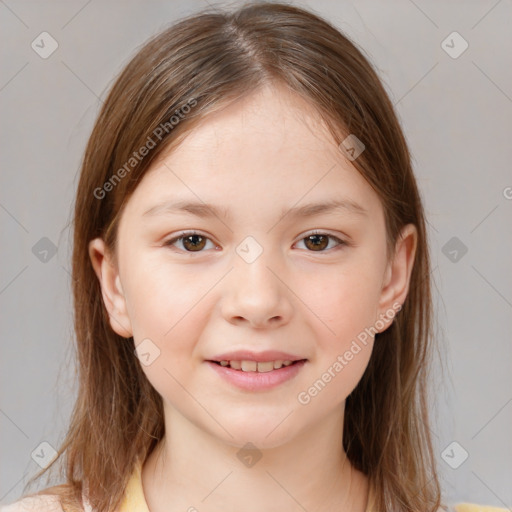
[254,294]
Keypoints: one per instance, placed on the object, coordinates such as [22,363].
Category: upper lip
[259,357]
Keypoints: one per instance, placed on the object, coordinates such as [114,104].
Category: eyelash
[184,234]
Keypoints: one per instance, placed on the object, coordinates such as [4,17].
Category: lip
[256,381]
[259,357]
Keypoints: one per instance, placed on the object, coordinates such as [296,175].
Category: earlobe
[398,274]
[111,289]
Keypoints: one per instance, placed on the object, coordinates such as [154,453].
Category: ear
[111,289]
[398,275]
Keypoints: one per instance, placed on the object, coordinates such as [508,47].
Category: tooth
[267,366]
[253,366]
[249,366]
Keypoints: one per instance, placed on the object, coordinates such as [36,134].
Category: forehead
[268,125]
[269,147]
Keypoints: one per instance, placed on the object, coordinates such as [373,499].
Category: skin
[260,155]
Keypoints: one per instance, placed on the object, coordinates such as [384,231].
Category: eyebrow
[205,210]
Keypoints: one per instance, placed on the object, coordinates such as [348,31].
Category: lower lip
[256,381]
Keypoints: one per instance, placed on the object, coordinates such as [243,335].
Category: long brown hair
[195,67]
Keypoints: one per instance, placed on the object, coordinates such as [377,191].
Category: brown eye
[189,242]
[194,242]
[318,242]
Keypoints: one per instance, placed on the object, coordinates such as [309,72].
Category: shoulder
[40,503]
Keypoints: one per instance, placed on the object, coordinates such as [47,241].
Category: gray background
[456,113]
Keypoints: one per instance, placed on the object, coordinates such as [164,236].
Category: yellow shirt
[134,501]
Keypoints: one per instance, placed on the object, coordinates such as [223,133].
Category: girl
[251,282]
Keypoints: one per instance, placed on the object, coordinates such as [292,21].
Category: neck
[192,470]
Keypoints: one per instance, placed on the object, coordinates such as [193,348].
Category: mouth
[257,366]
[256,376]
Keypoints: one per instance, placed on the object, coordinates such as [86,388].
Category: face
[259,271]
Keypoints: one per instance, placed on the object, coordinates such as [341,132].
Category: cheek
[344,339]
[167,316]
[160,299]
[346,301]
[346,304]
